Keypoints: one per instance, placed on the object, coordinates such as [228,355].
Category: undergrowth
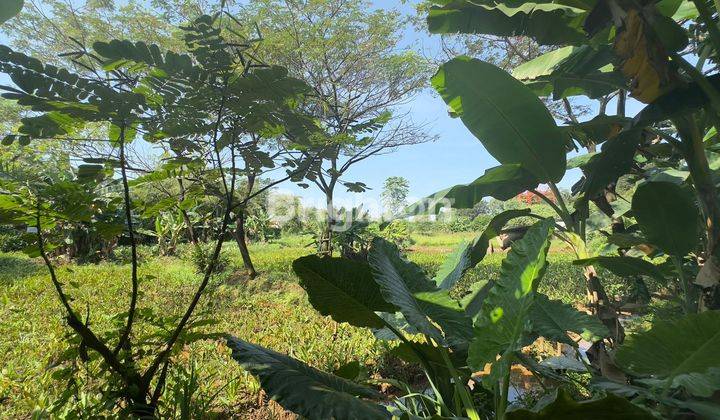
[271,310]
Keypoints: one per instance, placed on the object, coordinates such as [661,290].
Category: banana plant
[668,228]
[448,337]
[168,228]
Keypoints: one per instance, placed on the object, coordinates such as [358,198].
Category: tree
[203,106]
[394,195]
[48,29]
[349,54]
[64,24]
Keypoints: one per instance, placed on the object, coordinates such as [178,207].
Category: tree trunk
[142,409]
[189,227]
[597,297]
[708,278]
[241,239]
[601,306]
[186,218]
[326,246]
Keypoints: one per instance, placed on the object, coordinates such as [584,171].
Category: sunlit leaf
[512,123]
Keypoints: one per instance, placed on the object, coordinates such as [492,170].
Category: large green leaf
[615,160]
[667,216]
[685,345]
[454,266]
[686,10]
[563,407]
[431,310]
[467,256]
[565,85]
[501,182]
[545,22]
[571,71]
[507,117]
[303,389]
[398,322]
[503,320]
[343,289]
[579,61]
[553,319]
[472,302]
[597,130]
[9,9]
[580,160]
[700,384]
[625,266]
[545,64]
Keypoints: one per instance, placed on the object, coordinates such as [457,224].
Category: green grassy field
[271,310]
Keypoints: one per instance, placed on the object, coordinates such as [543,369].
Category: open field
[271,310]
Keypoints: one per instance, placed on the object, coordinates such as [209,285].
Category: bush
[396,232]
[11,239]
[293,226]
[459,224]
[199,255]
[424,227]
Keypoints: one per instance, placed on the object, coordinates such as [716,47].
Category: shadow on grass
[14,268]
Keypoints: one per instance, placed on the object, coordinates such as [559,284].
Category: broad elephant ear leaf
[563,407]
[9,9]
[472,302]
[671,348]
[343,289]
[425,307]
[625,266]
[504,318]
[505,115]
[467,256]
[553,319]
[700,384]
[667,216]
[303,389]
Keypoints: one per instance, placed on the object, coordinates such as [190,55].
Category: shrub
[200,255]
[11,239]
[459,224]
[396,232]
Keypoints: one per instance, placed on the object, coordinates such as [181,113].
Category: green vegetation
[146,272]
[271,310]
[36,354]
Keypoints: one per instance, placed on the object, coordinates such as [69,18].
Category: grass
[271,310]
